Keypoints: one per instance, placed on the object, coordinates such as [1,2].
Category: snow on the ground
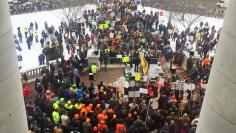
[30,57]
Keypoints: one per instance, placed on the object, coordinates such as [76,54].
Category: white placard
[131,93]
[143,91]
[126,84]
[112,14]
[132,83]
[136,94]
[180,84]
[192,86]
[173,85]
[186,86]
[111,35]
[161,81]
[119,56]
[145,78]
[189,86]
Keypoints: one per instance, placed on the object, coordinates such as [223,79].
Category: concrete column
[218,114]
[12,108]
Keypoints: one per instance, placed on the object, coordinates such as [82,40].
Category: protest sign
[180,84]
[119,56]
[143,91]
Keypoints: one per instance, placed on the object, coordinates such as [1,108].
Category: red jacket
[26,91]
[120,128]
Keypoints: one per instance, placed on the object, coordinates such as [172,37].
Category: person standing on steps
[92,72]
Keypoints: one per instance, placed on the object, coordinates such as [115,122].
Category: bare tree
[184,12]
[71,11]
[186,20]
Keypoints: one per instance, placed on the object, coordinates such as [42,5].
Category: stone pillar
[218,114]
[12,108]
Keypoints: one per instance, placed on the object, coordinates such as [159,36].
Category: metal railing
[114,60]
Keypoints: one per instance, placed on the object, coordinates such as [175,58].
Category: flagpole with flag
[144,64]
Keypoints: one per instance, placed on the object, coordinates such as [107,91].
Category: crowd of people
[209,8]
[29,6]
[63,103]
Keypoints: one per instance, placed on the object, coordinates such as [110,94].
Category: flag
[144,64]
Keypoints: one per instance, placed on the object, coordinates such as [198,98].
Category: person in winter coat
[77,80]
[26,93]
[165,128]
[26,32]
[19,34]
[41,59]
[42,42]
[136,60]
[120,128]
[36,26]
[28,43]
[65,120]
[36,36]
[87,126]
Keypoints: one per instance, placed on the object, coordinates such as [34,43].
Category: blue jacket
[41,58]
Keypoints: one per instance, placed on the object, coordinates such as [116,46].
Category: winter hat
[76,116]
[173,97]
[55,106]
[110,84]
[185,115]
[88,120]
[95,129]
[62,99]
[48,92]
